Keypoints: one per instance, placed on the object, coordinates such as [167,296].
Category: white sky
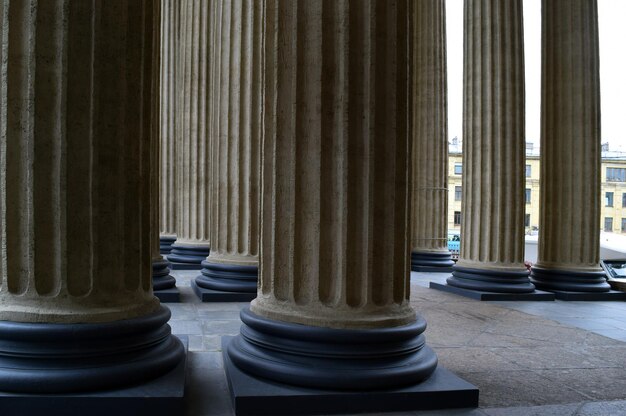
[612,16]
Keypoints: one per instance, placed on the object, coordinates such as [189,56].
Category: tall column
[569,241]
[429,196]
[161,278]
[332,309]
[192,143]
[230,272]
[75,153]
[169,96]
[492,227]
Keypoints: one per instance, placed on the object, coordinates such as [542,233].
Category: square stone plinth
[431,269]
[208,295]
[537,295]
[256,396]
[160,397]
[171,295]
[590,296]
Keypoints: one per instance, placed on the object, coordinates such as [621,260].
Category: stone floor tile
[596,383]
[185,327]
[549,410]
[603,408]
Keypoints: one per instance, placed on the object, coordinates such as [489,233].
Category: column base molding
[491,280]
[187,257]
[429,261]
[165,244]
[536,295]
[228,277]
[332,359]
[164,284]
[41,358]
[210,295]
[253,395]
[569,281]
[163,396]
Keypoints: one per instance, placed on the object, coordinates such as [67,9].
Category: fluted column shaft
[429,205]
[74,165]
[569,242]
[492,228]
[334,241]
[169,93]
[192,143]
[332,308]
[236,132]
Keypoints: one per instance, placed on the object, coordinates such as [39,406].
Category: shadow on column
[226,282]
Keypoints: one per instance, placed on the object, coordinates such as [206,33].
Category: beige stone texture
[236,132]
[193,166]
[75,138]
[153,100]
[429,130]
[570,137]
[336,159]
[492,225]
[169,96]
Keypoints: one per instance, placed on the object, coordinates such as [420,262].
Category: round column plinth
[327,358]
[228,277]
[161,278]
[165,244]
[61,358]
[188,253]
[485,280]
[569,281]
[431,259]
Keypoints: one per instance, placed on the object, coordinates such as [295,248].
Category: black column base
[428,261]
[490,280]
[165,244]
[570,281]
[70,358]
[186,257]
[257,396]
[163,284]
[536,295]
[163,396]
[335,359]
[226,282]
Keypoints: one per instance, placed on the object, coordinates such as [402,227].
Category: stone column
[429,196]
[169,96]
[192,144]
[569,240]
[492,226]
[332,309]
[161,279]
[75,147]
[230,272]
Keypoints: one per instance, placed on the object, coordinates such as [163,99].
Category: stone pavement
[527,358]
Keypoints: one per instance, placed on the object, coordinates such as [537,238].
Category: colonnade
[298,143]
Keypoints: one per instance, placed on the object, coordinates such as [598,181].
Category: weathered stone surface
[75,242]
[429,135]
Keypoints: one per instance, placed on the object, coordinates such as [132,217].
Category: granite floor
[527,358]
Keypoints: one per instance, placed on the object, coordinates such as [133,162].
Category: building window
[527,220]
[458,168]
[528,171]
[457,193]
[527,196]
[616,174]
[624,200]
[457,217]
[608,199]
[624,225]
[608,224]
